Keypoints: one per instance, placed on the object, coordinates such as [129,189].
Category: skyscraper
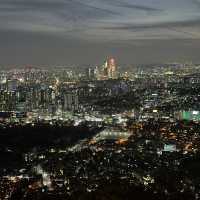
[108,70]
[111,68]
[71,101]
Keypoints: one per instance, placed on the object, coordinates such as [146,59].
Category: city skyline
[100,132]
[99,99]
[74,32]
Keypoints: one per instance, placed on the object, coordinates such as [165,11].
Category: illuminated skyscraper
[96,73]
[108,69]
[111,69]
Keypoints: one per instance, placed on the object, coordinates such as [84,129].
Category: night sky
[86,31]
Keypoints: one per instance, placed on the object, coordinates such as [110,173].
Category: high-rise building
[12,85]
[71,102]
[96,73]
[91,73]
[109,69]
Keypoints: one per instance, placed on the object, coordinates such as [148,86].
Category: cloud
[98,22]
[116,19]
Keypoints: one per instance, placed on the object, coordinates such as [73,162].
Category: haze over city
[84,32]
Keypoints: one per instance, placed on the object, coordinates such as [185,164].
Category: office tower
[111,68]
[11,85]
[90,74]
[71,102]
[96,73]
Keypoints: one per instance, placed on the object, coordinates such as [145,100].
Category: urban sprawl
[103,132]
